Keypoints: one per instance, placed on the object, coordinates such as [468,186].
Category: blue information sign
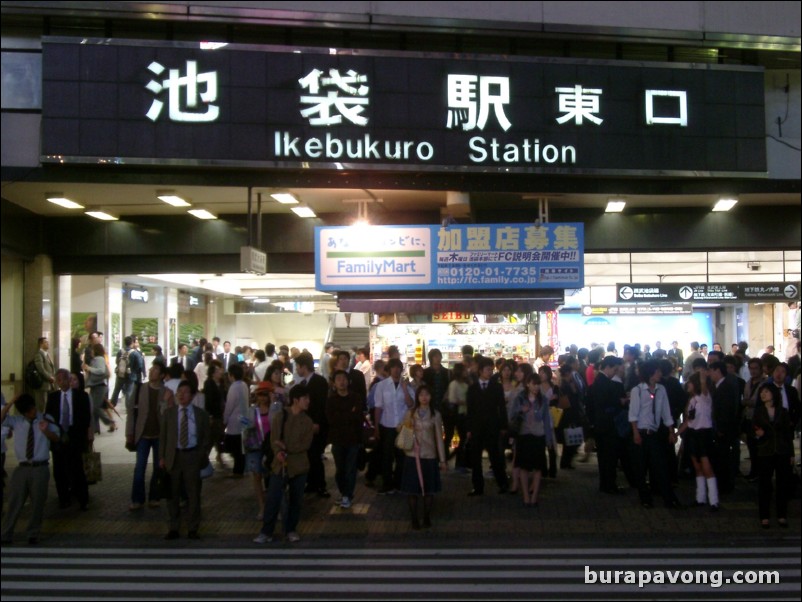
[458,257]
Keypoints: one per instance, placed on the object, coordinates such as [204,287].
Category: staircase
[346,338]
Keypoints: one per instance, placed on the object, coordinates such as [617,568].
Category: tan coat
[428,434]
[135,430]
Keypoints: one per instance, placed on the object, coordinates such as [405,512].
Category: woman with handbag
[550,395]
[530,418]
[98,384]
[234,415]
[253,437]
[421,473]
[569,400]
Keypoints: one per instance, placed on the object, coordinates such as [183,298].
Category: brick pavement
[571,512]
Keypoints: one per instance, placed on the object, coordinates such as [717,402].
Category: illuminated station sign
[129,102]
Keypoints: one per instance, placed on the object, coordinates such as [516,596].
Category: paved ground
[571,513]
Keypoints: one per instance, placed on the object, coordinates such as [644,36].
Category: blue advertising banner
[457,257]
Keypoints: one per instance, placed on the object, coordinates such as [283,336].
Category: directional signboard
[669,309]
[758,292]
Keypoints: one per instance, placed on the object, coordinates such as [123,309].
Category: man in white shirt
[33,434]
[392,402]
[325,361]
[648,411]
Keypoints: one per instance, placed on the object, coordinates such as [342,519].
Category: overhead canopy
[477,302]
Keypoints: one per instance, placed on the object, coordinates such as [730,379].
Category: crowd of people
[652,416]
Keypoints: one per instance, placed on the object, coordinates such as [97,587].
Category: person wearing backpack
[291,434]
[122,372]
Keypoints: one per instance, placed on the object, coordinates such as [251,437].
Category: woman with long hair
[275,375]
[98,383]
[536,432]
[775,449]
[215,393]
[421,474]
[259,415]
[699,440]
[522,372]
[547,391]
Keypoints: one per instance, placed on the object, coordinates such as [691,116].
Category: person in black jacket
[486,419]
[437,377]
[214,392]
[726,403]
[71,410]
[605,403]
[677,400]
[774,431]
[318,394]
[356,378]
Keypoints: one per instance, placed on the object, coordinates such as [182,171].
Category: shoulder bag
[92,466]
[405,441]
[253,435]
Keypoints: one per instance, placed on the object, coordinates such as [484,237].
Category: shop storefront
[497,336]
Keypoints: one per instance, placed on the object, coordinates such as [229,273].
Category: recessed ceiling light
[64,202]
[615,206]
[725,204]
[303,211]
[175,201]
[102,215]
[285,198]
[202,214]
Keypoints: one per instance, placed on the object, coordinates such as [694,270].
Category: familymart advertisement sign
[459,257]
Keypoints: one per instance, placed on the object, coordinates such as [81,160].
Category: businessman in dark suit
[788,393]
[677,354]
[726,402]
[70,409]
[183,358]
[228,357]
[318,393]
[486,420]
[184,443]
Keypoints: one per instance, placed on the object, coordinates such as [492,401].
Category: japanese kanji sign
[123,101]
[459,257]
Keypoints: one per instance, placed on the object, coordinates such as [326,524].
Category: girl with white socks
[699,441]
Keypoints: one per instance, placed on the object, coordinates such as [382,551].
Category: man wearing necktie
[486,420]
[227,357]
[70,409]
[44,366]
[33,433]
[182,358]
[184,444]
